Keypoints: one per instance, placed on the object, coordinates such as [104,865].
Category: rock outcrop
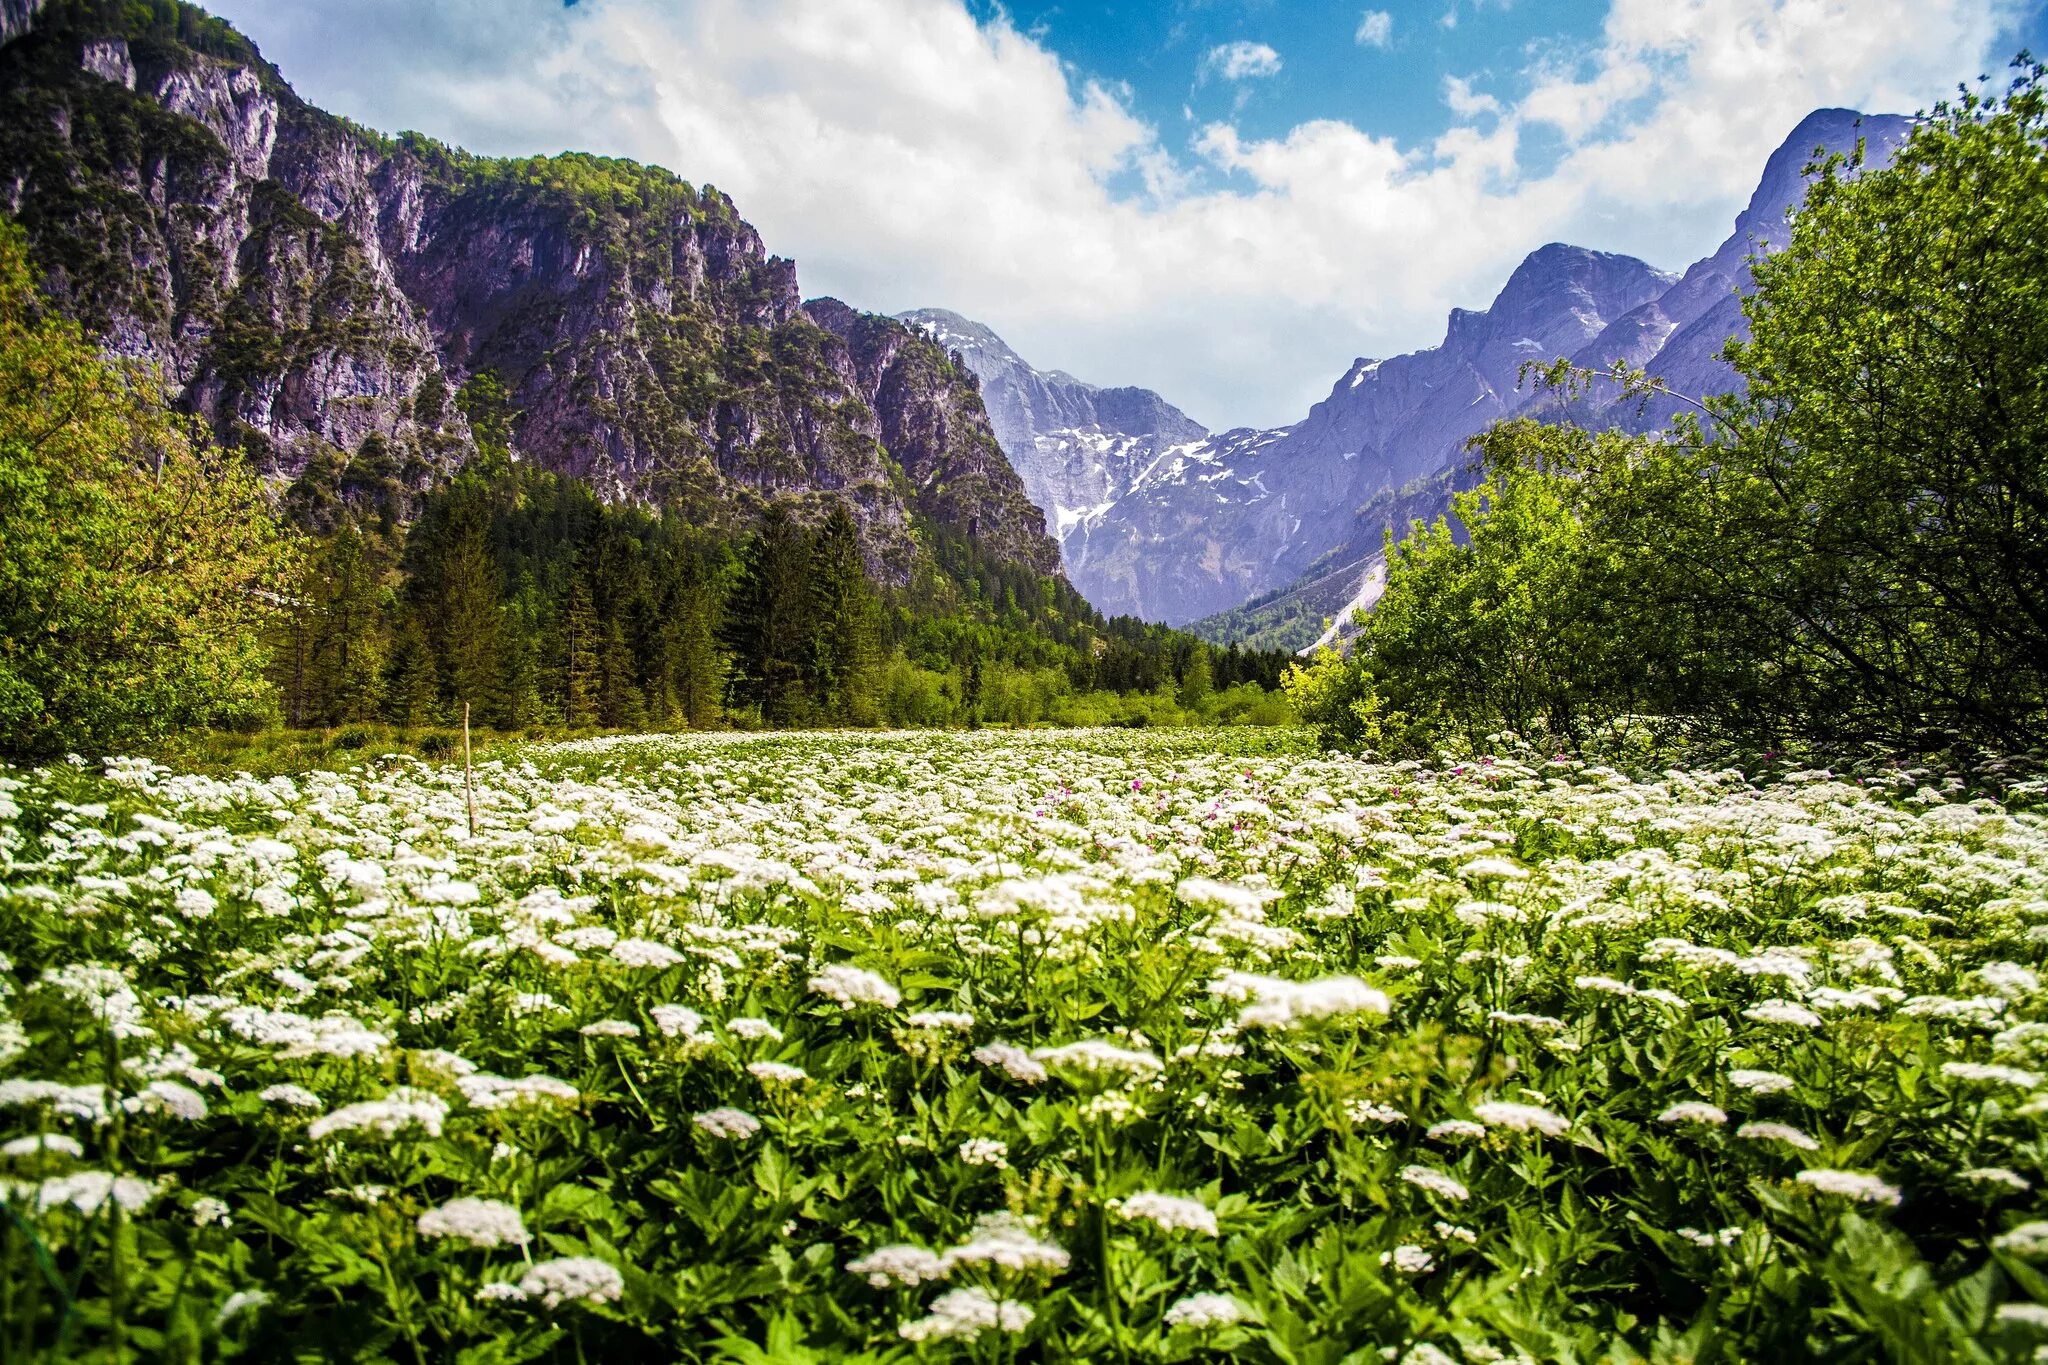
[320,294]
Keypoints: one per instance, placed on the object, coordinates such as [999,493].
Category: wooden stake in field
[468,779]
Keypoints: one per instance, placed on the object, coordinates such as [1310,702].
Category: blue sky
[1223,200]
[1391,84]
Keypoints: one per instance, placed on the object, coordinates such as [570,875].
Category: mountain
[1677,334]
[1077,447]
[320,294]
[1207,524]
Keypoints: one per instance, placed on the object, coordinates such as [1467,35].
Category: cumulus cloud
[1464,102]
[907,155]
[1241,61]
[1375,29]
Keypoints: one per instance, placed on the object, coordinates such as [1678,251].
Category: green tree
[845,654]
[138,564]
[769,627]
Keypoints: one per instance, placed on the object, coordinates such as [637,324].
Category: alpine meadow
[563,801]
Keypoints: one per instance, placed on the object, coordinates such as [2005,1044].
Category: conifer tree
[845,665]
[769,627]
[582,666]
[412,687]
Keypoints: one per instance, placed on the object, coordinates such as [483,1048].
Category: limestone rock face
[319,293]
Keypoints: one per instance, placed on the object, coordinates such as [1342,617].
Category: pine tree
[412,687]
[769,627]
[845,666]
[348,641]
[581,665]
[470,620]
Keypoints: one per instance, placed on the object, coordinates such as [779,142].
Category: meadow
[1078,1046]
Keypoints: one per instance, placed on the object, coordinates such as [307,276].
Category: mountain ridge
[1202,528]
[319,293]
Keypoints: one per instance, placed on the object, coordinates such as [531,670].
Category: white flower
[572,1279]
[1097,1058]
[1455,1130]
[1997,1175]
[1521,1118]
[1986,1073]
[1006,1242]
[954,1020]
[1169,1212]
[402,1109]
[1205,1312]
[1236,900]
[964,1314]
[208,1211]
[985,1152]
[477,1222]
[289,1097]
[42,1144]
[1282,1004]
[1711,1240]
[1694,1111]
[610,1028]
[1777,1132]
[753,1030]
[1409,1259]
[906,1265]
[777,1073]
[486,1091]
[1013,1062]
[1785,1012]
[1864,1189]
[736,1124]
[851,987]
[238,1303]
[91,1191]
[677,1021]
[168,1097]
[645,953]
[1436,1182]
[1499,869]
[1760,1082]
[2027,1239]
[193,903]
[1366,1111]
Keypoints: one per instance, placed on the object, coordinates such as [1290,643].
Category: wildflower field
[1091,1047]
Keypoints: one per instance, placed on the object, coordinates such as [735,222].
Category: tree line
[151,583]
[1852,550]
[524,595]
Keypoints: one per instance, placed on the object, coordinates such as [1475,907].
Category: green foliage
[137,563]
[1188,1046]
[1854,549]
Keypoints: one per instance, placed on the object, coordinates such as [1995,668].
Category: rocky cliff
[319,293]
[1077,447]
[1219,521]
[1677,334]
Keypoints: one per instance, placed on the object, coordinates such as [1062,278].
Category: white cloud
[1241,61]
[1459,96]
[1375,29]
[906,155]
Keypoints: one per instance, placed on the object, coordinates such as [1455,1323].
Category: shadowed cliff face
[1157,518]
[316,291]
[1160,519]
[1678,334]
